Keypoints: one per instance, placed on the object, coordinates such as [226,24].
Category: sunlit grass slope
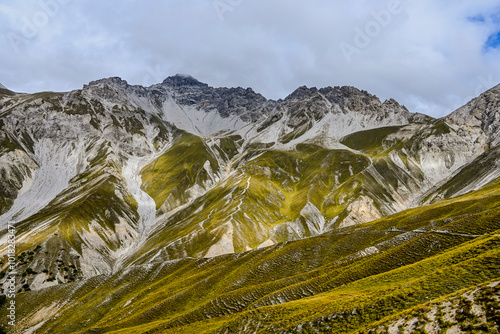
[339,282]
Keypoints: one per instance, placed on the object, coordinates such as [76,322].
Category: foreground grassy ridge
[472,310]
[367,300]
[326,281]
[4,92]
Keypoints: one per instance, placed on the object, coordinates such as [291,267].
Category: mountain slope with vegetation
[340,281]
[183,207]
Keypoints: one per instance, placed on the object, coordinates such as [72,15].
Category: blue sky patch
[496,17]
[476,19]
[493,41]
[493,20]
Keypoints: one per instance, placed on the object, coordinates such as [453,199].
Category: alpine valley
[183,208]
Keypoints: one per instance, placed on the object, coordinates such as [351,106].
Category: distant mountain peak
[112,80]
[302,92]
[183,80]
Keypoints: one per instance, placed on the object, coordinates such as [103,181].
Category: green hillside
[340,282]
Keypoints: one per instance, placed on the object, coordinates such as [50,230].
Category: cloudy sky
[431,56]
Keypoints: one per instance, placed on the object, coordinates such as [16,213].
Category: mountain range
[185,208]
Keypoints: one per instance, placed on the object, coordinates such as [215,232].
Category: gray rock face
[244,103]
[349,106]
[480,117]
[251,107]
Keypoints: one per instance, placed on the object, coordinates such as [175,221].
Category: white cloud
[429,56]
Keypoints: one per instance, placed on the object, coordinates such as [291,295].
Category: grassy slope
[178,169]
[266,190]
[369,141]
[472,310]
[312,174]
[318,280]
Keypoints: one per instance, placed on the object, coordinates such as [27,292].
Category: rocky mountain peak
[482,112]
[335,94]
[301,93]
[351,90]
[2,86]
[110,81]
[239,93]
[392,102]
[183,80]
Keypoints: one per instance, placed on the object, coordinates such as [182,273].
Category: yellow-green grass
[310,279]
[178,169]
